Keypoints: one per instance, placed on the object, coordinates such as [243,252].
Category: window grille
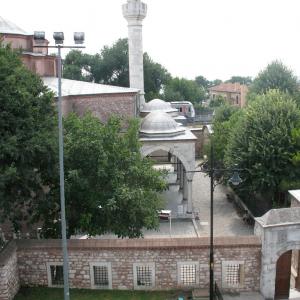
[57,275]
[101,276]
[188,274]
[144,275]
[232,274]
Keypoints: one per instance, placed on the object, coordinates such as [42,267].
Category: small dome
[158,104]
[160,124]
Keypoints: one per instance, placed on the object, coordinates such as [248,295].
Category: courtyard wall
[164,256]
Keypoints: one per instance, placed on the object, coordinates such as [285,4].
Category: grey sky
[213,38]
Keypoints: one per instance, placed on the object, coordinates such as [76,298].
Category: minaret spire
[134,11]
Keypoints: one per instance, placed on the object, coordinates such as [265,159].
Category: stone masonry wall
[102,106]
[33,256]
[9,277]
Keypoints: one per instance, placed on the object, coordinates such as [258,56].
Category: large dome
[160,124]
[158,105]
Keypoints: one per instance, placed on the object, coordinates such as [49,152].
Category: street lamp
[235,180]
[39,37]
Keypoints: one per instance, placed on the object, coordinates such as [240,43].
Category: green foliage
[262,143]
[202,82]
[218,101]
[27,124]
[240,79]
[110,187]
[275,76]
[224,122]
[155,78]
[181,89]
[77,66]
[111,67]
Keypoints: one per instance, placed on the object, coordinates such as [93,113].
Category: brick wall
[102,105]
[33,256]
[9,277]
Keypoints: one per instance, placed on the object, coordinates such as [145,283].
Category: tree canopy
[275,76]
[27,125]
[111,66]
[110,187]
[261,143]
[240,79]
[181,89]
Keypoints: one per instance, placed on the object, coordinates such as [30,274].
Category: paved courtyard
[226,220]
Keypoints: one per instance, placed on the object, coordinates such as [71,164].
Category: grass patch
[41,293]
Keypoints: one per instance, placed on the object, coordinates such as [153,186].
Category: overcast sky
[213,38]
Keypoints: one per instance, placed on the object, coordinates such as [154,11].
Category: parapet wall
[164,256]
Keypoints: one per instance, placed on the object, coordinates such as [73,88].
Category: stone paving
[244,296]
[226,220]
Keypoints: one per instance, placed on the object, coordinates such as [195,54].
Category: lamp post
[235,180]
[39,37]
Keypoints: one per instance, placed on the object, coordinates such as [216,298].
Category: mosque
[242,263]
[169,144]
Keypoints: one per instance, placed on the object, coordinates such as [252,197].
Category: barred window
[144,275]
[55,274]
[187,273]
[232,274]
[101,275]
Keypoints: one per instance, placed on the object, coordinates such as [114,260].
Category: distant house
[234,93]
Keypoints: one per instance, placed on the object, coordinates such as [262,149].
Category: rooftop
[160,124]
[7,26]
[158,105]
[228,87]
[280,216]
[76,87]
[295,194]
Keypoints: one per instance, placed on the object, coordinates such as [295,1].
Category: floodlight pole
[79,38]
[62,182]
[211,247]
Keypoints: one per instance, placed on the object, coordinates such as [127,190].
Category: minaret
[134,11]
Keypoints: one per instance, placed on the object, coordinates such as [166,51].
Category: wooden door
[283,276]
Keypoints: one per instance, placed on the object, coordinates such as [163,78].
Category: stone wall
[102,106]
[164,254]
[9,277]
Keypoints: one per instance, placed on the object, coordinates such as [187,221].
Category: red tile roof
[228,87]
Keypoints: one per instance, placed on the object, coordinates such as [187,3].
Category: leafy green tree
[155,78]
[202,82]
[27,125]
[77,66]
[110,187]
[181,89]
[240,79]
[218,101]
[215,82]
[111,66]
[225,119]
[262,143]
[275,76]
